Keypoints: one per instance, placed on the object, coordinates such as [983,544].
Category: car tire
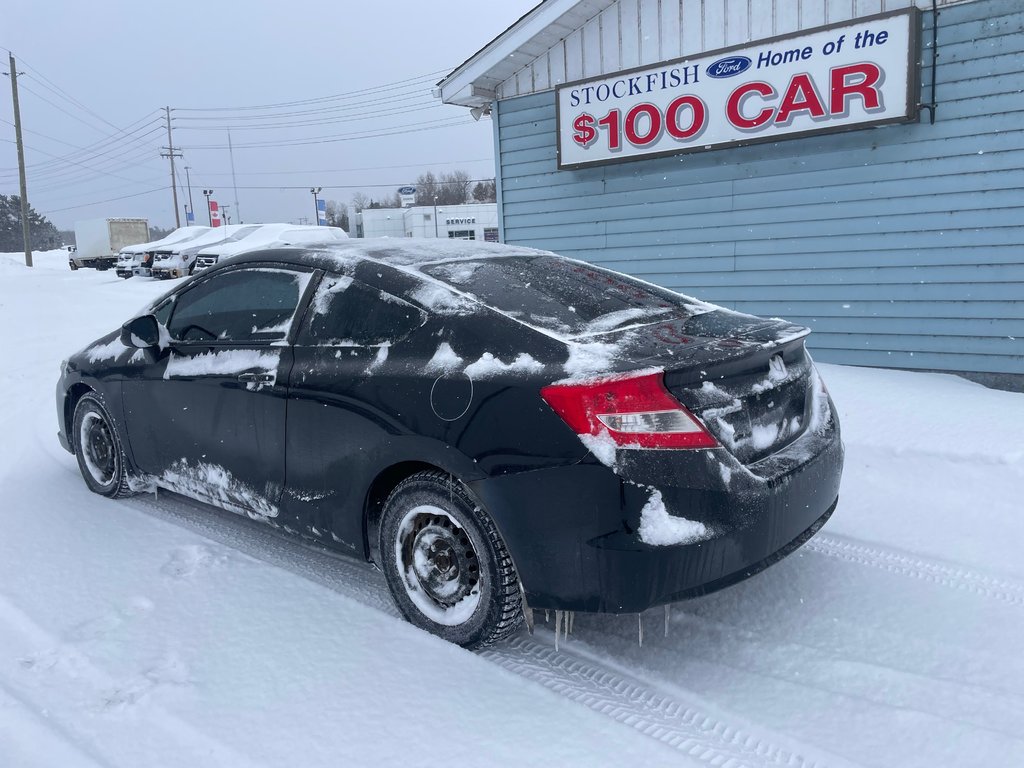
[74,267]
[98,449]
[445,562]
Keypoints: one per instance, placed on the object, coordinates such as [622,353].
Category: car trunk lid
[746,378]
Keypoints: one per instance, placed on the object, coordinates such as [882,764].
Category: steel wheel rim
[439,565]
[97,444]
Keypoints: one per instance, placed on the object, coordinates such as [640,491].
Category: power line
[358,117]
[108,200]
[344,108]
[406,128]
[351,170]
[50,169]
[334,97]
[53,169]
[47,83]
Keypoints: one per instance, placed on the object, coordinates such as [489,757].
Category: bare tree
[427,189]
[456,187]
[360,200]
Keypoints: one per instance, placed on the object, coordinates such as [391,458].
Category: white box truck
[100,240]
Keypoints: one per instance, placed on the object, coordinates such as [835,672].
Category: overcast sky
[96,74]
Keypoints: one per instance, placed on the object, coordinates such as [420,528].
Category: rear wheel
[98,449]
[448,568]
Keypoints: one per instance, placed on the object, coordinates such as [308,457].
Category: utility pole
[21,162]
[188,183]
[172,154]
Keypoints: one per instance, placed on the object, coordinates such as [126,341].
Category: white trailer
[100,240]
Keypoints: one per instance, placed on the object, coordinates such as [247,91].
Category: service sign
[850,75]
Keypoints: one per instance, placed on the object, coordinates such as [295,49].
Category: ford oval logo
[729,66]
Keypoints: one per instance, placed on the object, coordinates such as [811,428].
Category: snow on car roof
[414,252]
[178,236]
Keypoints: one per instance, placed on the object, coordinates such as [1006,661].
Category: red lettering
[653,129]
[801,96]
[611,122]
[732,107]
[699,117]
[868,76]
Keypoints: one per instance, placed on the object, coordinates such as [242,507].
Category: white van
[269,236]
[180,260]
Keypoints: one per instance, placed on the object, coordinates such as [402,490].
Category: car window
[560,295]
[346,312]
[163,312]
[240,305]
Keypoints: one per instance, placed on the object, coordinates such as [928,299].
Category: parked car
[499,429]
[179,260]
[131,257]
[269,235]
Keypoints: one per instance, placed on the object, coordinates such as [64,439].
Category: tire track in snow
[626,699]
[83,683]
[894,561]
[632,702]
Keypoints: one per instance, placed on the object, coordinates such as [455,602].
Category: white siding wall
[633,33]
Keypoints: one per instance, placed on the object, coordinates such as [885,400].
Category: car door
[349,380]
[206,416]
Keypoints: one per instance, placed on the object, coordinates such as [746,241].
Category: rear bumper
[573,531]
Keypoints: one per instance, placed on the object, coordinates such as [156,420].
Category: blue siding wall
[900,246]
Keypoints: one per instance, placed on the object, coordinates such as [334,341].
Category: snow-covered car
[130,259]
[499,429]
[269,236]
[179,259]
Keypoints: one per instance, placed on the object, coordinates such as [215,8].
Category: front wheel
[446,565]
[98,449]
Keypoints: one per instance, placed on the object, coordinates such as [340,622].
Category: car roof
[404,254]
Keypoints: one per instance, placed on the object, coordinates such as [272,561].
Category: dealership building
[853,165]
[471,221]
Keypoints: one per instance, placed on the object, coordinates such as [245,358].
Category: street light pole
[316,203]
[435,217]
[209,215]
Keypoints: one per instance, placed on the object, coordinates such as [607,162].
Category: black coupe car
[500,429]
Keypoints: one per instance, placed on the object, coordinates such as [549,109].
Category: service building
[471,221]
[853,165]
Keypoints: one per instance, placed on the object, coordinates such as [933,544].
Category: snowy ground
[158,632]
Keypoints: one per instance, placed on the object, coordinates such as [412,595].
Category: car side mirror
[142,332]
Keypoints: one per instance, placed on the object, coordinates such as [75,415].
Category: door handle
[257,378]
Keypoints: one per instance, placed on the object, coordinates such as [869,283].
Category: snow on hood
[100,352]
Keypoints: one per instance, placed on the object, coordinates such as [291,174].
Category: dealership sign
[850,75]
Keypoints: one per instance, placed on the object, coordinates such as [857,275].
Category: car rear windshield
[567,297]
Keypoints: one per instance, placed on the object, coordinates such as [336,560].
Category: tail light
[635,411]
